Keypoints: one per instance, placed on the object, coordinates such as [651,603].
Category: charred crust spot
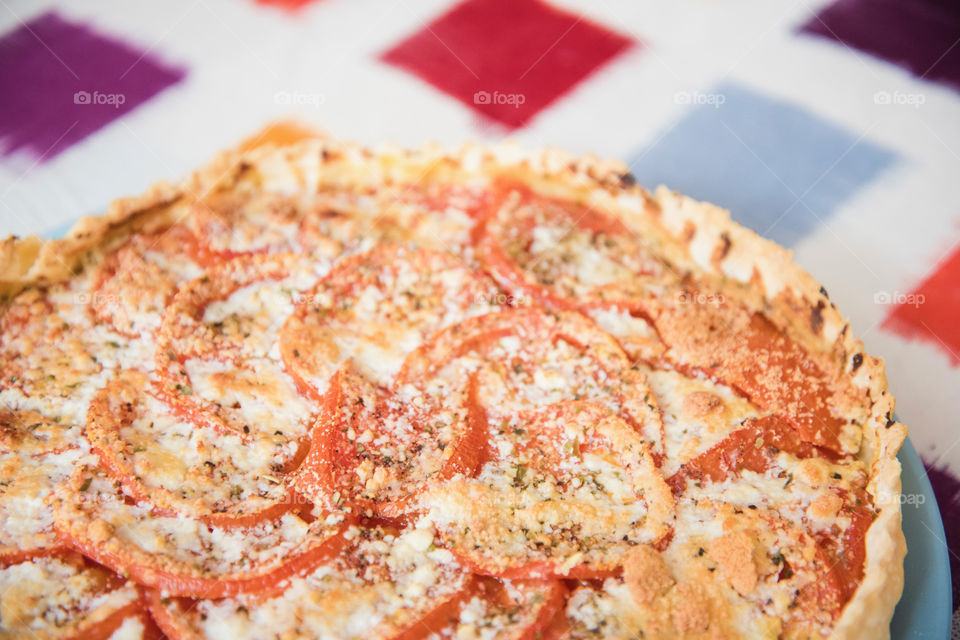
[823,292]
[857,361]
[816,317]
[721,251]
[627,180]
[727,243]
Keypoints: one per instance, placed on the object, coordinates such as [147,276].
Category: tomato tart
[321,391]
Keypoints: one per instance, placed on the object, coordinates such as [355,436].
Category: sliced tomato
[440,198]
[104,629]
[186,468]
[215,359]
[16,556]
[573,257]
[375,572]
[839,561]
[565,254]
[440,614]
[183,556]
[187,333]
[184,584]
[170,614]
[372,452]
[834,556]
[85,600]
[375,308]
[525,358]
[752,447]
[134,283]
[231,224]
[432,215]
[569,488]
[747,352]
[558,628]
[519,610]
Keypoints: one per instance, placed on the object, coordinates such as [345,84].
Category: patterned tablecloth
[833,128]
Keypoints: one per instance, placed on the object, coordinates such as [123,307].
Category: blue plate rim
[925,610]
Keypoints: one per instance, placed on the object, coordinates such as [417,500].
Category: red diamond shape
[931,310]
[507,59]
[289,5]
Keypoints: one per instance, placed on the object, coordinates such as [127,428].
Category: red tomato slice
[432,215]
[215,357]
[558,628]
[530,357]
[565,254]
[752,447]
[519,610]
[16,556]
[185,468]
[747,352]
[376,307]
[62,595]
[376,572]
[183,556]
[187,333]
[374,453]
[234,224]
[573,257]
[105,628]
[839,559]
[134,283]
[331,223]
[168,614]
[568,490]
[839,562]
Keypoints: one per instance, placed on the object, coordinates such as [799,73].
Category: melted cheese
[397,580]
[187,546]
[25,519]
[191,468]
[50,596]
[553,502]
[260,398]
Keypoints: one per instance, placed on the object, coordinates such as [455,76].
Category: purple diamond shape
[919,35]
[62,81]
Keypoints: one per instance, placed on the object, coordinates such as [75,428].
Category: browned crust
[33,261]
[694,236]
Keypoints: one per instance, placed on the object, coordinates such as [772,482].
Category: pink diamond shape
[507,59]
